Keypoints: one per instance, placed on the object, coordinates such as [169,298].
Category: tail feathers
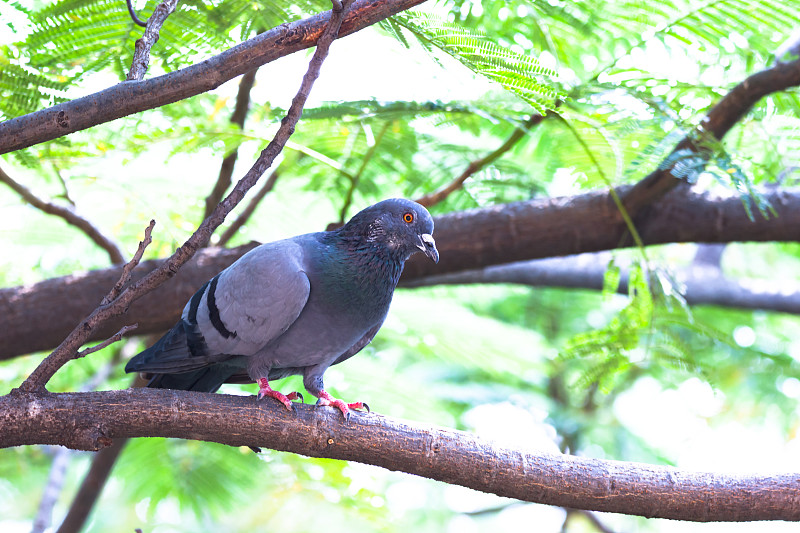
[181,349]
[181,360]
[207,379]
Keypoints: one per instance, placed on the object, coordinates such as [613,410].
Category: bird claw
[326,399]
[265,390]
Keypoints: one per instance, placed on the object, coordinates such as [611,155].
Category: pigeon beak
[428,247]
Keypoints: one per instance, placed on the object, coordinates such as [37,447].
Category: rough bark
[93,420]
[37,317]
[131,97]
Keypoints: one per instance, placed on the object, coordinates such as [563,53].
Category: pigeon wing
[256,299]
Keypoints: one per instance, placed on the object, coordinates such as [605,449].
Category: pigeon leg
[326,399]
[286,399]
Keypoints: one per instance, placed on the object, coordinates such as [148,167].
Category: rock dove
[294,306]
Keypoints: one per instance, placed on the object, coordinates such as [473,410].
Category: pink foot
[326,399]
[286,399]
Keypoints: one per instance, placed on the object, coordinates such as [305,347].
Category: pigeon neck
[375,262]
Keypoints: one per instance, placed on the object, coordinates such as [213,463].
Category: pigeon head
[402,226]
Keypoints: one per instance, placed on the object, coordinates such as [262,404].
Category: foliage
[631,80]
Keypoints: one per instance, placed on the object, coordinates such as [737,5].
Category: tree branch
[91,420]
[719,120]
[68,349]
[128,98]
[248,211]
[477,165]
[37,317]
[111,340]
[703,285]
[114,305]
[238,117]
[141,55]
[68,215]
[134,16]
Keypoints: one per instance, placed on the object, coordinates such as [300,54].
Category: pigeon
[292,307]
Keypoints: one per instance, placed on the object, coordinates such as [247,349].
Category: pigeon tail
[208,379]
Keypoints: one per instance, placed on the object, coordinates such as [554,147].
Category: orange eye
[408,218]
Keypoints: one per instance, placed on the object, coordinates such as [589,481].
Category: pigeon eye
[408,218]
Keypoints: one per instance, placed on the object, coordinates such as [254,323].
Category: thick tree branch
[141,54]
[37,317]
[68,215]
[127,98]
[719,120]
[93,420]
[226,169]
[479,164]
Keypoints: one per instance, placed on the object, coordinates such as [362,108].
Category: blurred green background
[401,109]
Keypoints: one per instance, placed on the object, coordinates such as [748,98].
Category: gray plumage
[295,306]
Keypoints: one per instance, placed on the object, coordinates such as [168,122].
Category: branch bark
[92,420]
[132,97]
[37,317]
[141,54]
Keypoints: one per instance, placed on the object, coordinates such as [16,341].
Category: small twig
[238,117]
[68,348]
[111,340]
[141,55]
[68,215]
[63,183]
[245,215]
[134,16]
[127,270]
[435,197]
